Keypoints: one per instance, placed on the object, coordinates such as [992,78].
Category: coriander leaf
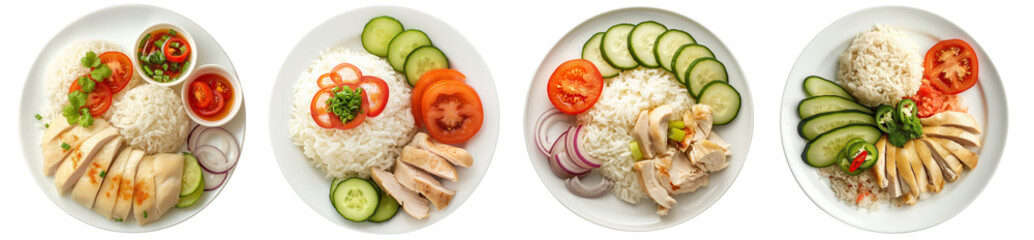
[77,99]
[71,114]
[100,73]
[86,85]
[85,120]
[90,60]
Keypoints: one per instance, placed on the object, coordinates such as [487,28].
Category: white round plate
[344,30]
[608,210]
[986,103]
[121,25]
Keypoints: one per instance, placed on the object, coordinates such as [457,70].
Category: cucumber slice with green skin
[387,208]
[356,199]
[615,47]
[641,42]
[818,86]
[424,59]
[403,44]
[377,34]
[189,200]
[591,51]
[333,186]
[724,101]
[192,178]
[702,72]
[668,43]
[823,104]
[685,56]
[823,150]
[813,126]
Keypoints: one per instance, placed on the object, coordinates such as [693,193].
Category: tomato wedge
[951,65]
[377,90]
[121,70]
[200,94]
[426,80]
[327,80]
[97,101]
[321,112]
[349,73]
[452,111]
[174,54]
[214,108]
[575,86]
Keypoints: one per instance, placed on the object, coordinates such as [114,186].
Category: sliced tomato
[349,73]
[174,54]
[327,80]
[121,70]
[377,90]
[321,112]
[214,108]
[222,87]
[575,86]
[421,85]
[200,94]
[364,108]
[951,65]
[97,101]
[452,111]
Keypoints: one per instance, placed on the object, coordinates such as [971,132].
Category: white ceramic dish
[237,96]
[986,103]
[179,30]
[344,30]
[608,210]
[119,25]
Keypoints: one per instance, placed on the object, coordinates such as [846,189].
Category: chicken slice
[659,118]
[85,190]
[423,183]
[641,134]
[922,180]
[168,179]
[684,176]
[955,134]
[950,165]
[75,164]
[124,200]
[429,162]
[105,203]
[456,156]
[692,126]
[703,116]
[967,157]
[906,173]
[73,136]
[662,165]
[411,202]
[708,156]
[933,170]
[646,172]
[145,209]
[713,137]
[894,181]
[954,119]
[880,169]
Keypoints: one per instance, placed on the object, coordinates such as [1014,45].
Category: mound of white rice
[860,190]
[374,143]
[151,118]
[880,67]
[609,123]
[66,68]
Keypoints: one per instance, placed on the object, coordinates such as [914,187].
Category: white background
[513,36]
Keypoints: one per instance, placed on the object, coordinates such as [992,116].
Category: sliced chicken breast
[933,171]
[661,166]
[168,177]
[423,183]
[894,181]
[958,135]
[922,180]
[641,134]
[85,190]
[429,162]
[456,156]
[78,160]
[692,126]
[659,118]
[880,169]
[411,202]
[73,136]
[144,207]
[703,116]
[954,119]
[713,137]
[950,165]
[708,156]
[646,172]
[124,201]
[105,203]
[684,176]
[906,173]
[967,157]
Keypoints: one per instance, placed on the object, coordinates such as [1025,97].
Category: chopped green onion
[676,134]
[677,124]
[148,70]
[145,214]
[175,44]
[183,49]
[38,117]
[143,41]
[46,125]
[185,64]
[65,146]
[172,32]
[634,148]
[165,66]
[118,219]
[159,72]
[103,173]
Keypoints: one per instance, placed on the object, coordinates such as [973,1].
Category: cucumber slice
[818,86]
[387,208]
[189,200]
[615,47]
[404,43]
[668,43]
[333,187]
[356,199]
[813,126]
[191,176]
[424,59]
[702,72]
[377,34]
[823,150]
[822,104]
[724,101]
[641,42]
[685,56]
[591,52]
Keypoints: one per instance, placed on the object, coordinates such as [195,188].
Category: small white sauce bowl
[238,96]
[179,31]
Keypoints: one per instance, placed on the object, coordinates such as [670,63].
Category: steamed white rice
[66,68]
[609,123]
[880,67]
[374,143]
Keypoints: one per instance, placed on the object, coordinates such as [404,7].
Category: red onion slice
[192,136]
[213,160]
[545,121]
[558,146]
[213,180]
[221,139]
[575,151]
